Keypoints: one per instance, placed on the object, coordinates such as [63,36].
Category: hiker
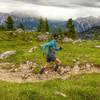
[50,55]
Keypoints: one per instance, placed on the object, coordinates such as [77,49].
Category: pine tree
[21,25]
[59,32]
[71,29]
[46,25]
[40,25]
[10,23]
[43,25]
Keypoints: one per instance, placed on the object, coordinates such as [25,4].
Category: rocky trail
[24,73]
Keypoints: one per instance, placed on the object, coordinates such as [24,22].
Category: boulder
[77,41]
[66,39]
[42,37]
[32,49]
[7,54]
[97,46]
[19,30]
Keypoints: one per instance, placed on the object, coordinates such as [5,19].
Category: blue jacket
[51,45]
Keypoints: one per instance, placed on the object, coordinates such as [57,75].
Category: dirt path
[19,77]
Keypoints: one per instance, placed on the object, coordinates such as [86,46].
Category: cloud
[52,9]
[65,3]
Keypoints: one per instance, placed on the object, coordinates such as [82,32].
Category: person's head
[55,37]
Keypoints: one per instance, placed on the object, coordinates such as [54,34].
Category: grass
[80,87]
[83,87]
[86,52]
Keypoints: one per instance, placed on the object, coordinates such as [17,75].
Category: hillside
[78,77]
[84,50]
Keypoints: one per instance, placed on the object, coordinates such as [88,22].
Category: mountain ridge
[82,24]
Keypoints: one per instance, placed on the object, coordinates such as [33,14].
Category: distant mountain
[81,24]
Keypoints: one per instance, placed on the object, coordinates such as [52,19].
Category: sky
[52,9]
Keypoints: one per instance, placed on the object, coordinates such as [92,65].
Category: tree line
[43,27]
[9,24]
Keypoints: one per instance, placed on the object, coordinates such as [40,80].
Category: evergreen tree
[10,23]
[71,29]
[59,32]
[46,25]
[40,25]
[21,25]
[43,25]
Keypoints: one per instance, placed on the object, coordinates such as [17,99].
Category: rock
[68,69]
[31,64]
[82,67]
[80,45]
[4,64]
[27,67]
[16,69]
[65,70]
[13,70]
[32,49]
[65,77]
[97,46]
[78,62]
[47,33]
[7,54]
[19,30]
[42,37]
[88,66]
[66,39]
[60,93]
[76,68]
[77,41]
[74,60]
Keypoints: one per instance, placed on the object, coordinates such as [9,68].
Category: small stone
[32,49]
[88,66]
[74,60]
[97,46]
[66,39]
[68,69]
[80,45]
[65,77]
[16,69]
[77,41]
[82,67]
[42,37]
[11,70]
[78,62]
[77,59]
[7,54]
[19,30]
[76,68]
[60,93]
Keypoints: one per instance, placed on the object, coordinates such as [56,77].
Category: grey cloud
[65,3]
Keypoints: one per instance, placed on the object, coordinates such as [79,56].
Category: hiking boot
[56,68]
[42,70]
